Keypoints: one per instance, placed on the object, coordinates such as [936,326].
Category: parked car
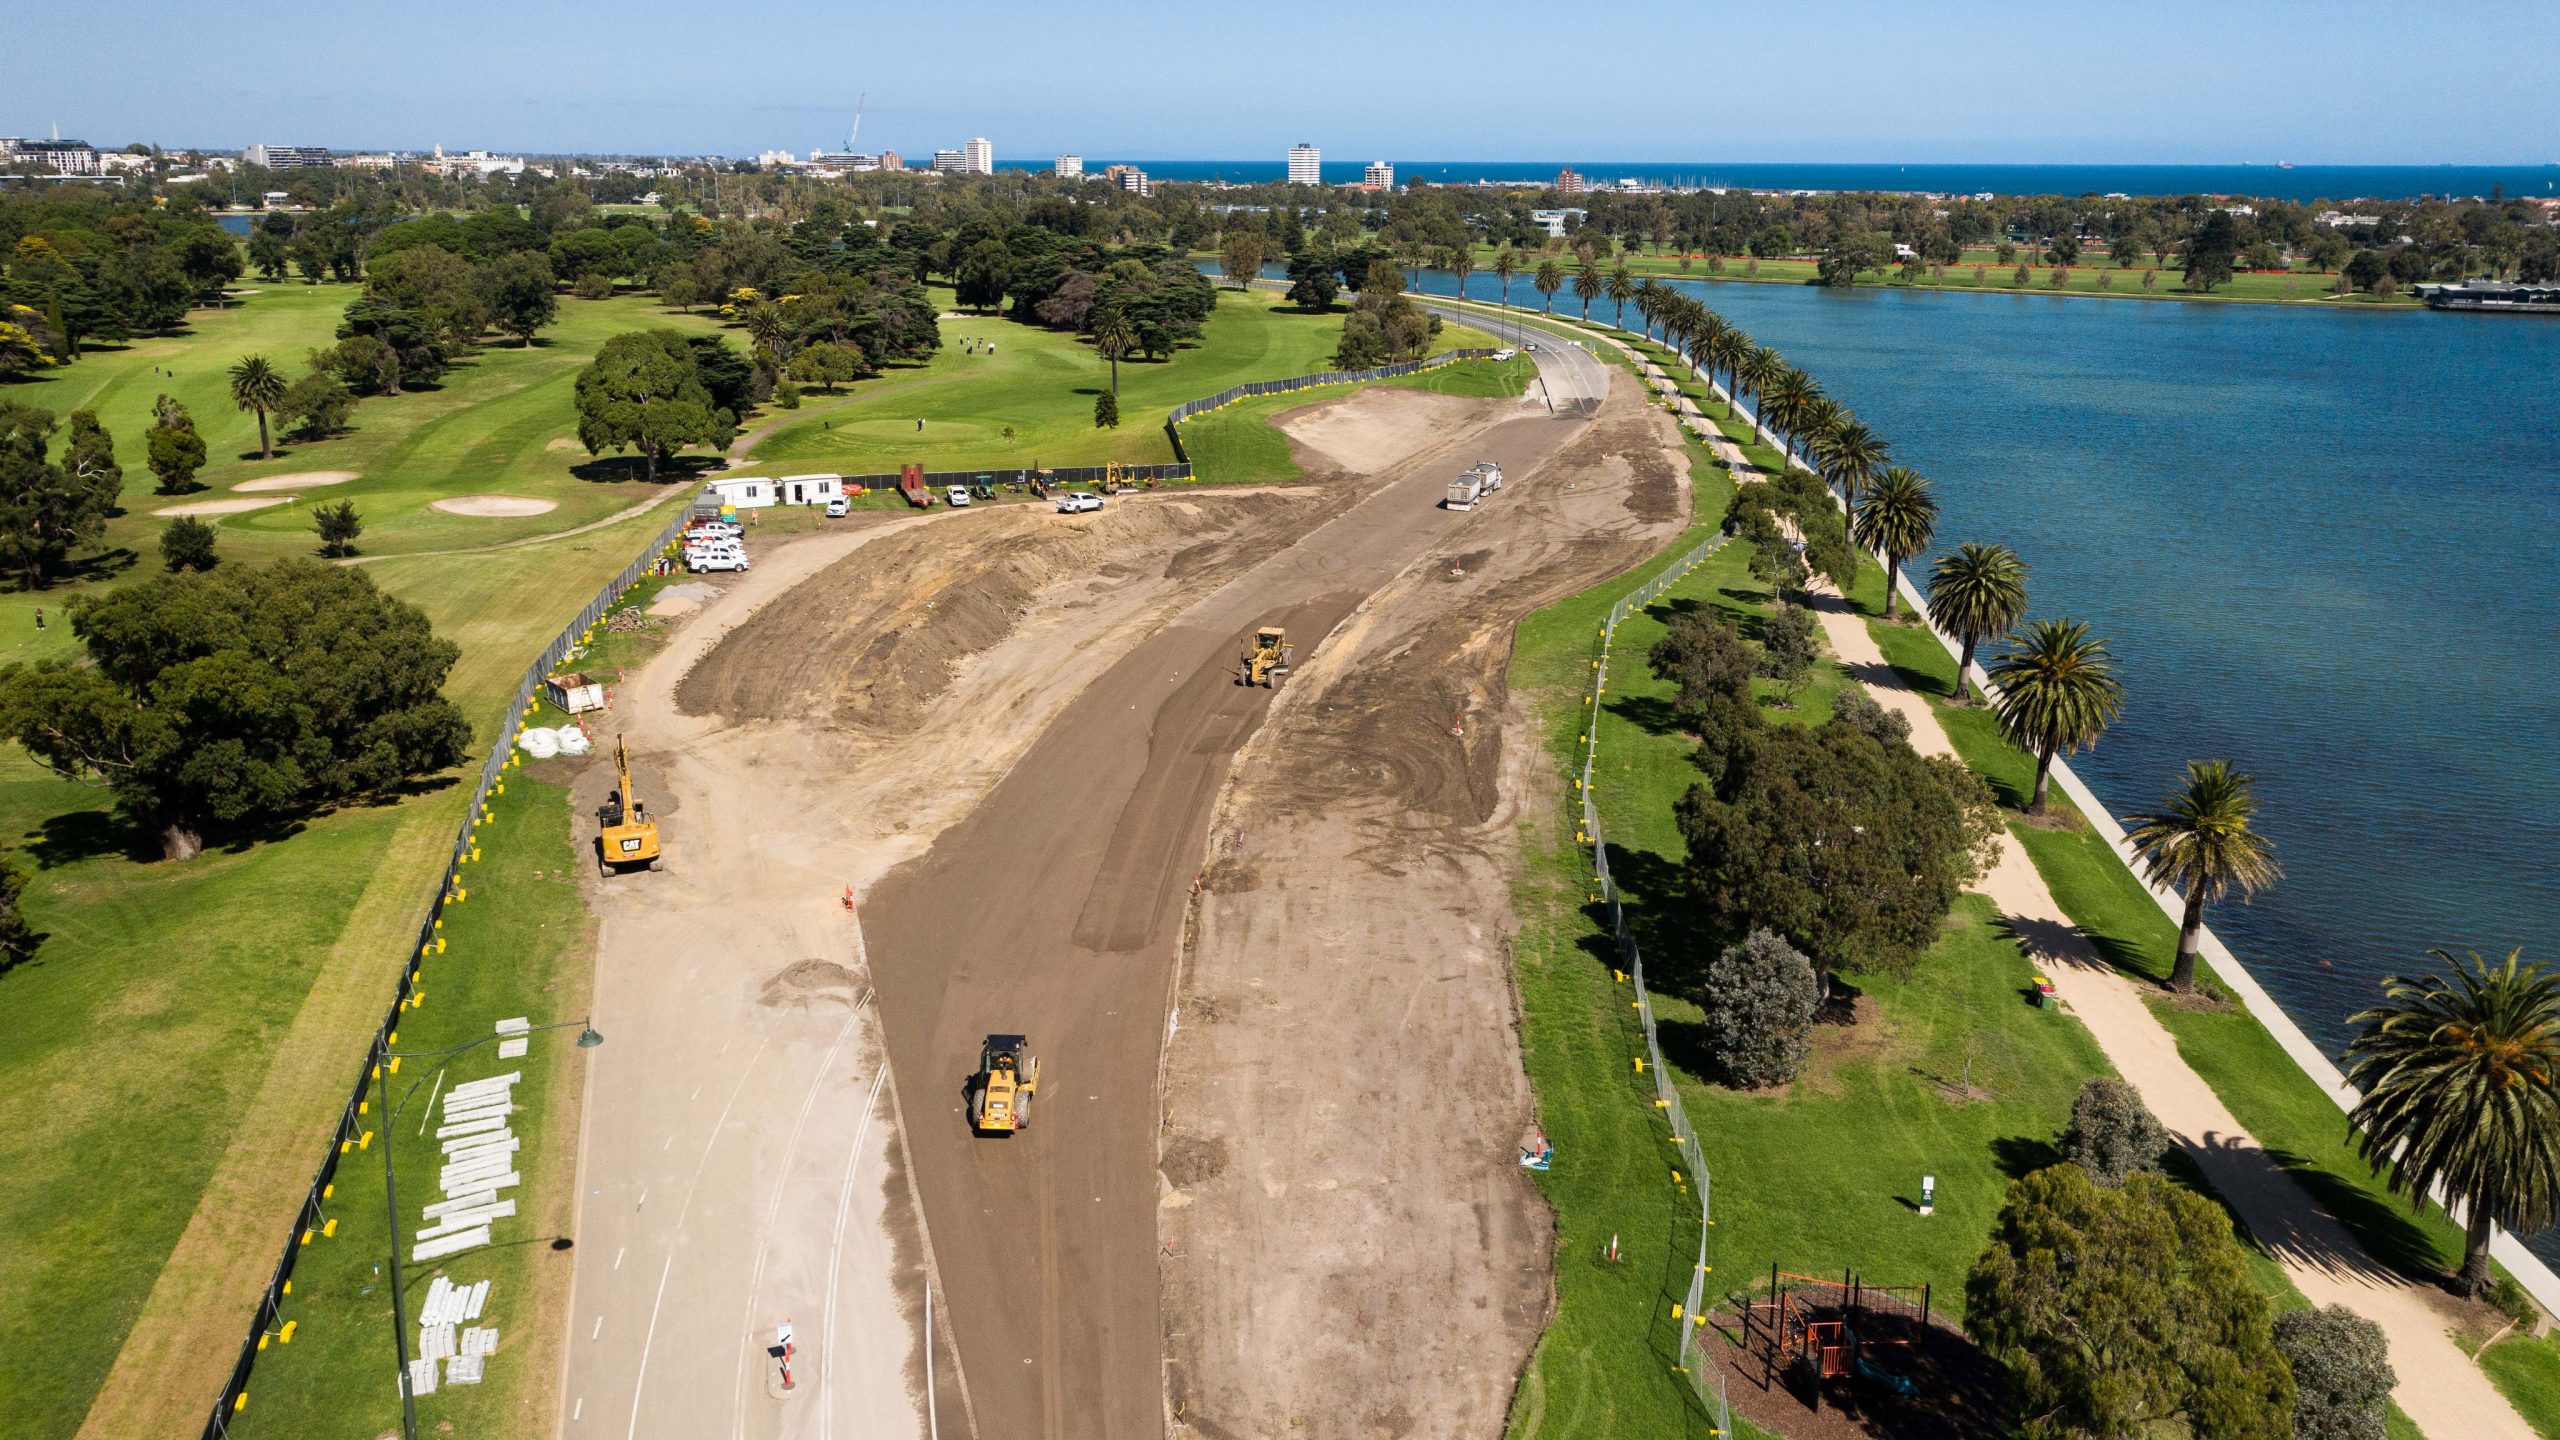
[838,508]
[1504,354]
[958,495]
[700,561]
[1076,502]
[718,529]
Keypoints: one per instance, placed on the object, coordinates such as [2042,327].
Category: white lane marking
[932,1419]
[617,1257]
[764,1240]
[835,1263]
[598,1330]
[431,1101]
[675,1236]
[575,1409]
[671,1143]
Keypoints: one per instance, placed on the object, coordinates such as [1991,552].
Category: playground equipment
[1813,1331]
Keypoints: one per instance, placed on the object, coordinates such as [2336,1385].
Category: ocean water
[2324,545]
[2301,182]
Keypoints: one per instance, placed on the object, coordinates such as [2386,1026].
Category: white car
[699,561]
[1531,347]
[1076,502]
[838,508]
[958,496]
[713,530]
[1504,354]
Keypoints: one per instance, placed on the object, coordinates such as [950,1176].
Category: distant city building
[949,162]
[474,162]
[63,157]
[287,157]
[1070,167]
[1553,221]
[843,160]
[367,162]
[122,162]
[891,160]
[775,160]
[1379,176]
[2339,219]
[1569,181]
[1306,165]
[1131,179]
[978,157]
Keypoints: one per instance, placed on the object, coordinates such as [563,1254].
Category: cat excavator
[626,837]
[1000,1093]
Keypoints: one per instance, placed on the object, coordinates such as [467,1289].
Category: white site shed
[746,492]
[808,489]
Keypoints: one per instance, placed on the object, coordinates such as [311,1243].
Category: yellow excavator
[1265,661]
[1000,1094]
[627,836]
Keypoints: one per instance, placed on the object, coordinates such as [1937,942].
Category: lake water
[2322,544]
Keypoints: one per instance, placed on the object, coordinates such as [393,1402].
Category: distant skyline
[2347,82]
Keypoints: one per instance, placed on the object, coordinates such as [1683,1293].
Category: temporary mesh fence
[348,1134]
[1251,388]
[1693,1358]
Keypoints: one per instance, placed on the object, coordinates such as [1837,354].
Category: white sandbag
[539,743]
[574,741]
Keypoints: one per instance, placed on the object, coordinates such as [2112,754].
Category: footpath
[2440,1387]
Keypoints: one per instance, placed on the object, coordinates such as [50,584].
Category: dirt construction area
[1007,737]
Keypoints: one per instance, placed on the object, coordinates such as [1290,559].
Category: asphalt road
[1054,910]
[1573,377]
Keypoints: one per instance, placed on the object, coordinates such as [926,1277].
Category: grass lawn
[513,949]
[2527,1370]
[1238,444]
[1041,385]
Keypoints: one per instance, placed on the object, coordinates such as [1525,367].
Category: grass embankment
[512,948]
[189,1030]
[2094,275]
[1240,445]
[1040,385]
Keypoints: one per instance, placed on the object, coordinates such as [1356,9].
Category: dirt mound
[909,610]
[1374,429]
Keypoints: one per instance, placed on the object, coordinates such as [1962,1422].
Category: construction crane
[853,142]
[1265,661]
[627,837]
[1000,1094]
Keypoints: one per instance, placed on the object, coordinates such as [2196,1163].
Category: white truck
[1473,485]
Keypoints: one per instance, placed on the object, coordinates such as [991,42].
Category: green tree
[1549,280]
[1851,457]
[1106,411]
[2461,1079]
[1621,289]
[1506,264]
[1588,285]
[225,701]
[338,526]
[18,939]
[2342,1374]
[319,403]
[2058,693]
[644,390]
[1977,593]
[1788,650]
[1898,521]
[1240,258]
[520,293]
[2200,842]
[823,364]
[1114,336]
[2212,251]
[258,386]
[1759,999]
[984,273]
[2120,1313]
[176,452]
[2113,1135]
[186,543]
[20,352]
[89,458]
[44,510]
[1710,662]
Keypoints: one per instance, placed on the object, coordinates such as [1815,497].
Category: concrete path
[2440,1387]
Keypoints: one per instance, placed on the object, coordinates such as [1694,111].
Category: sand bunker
[493,506]
[220,507]
[299,481]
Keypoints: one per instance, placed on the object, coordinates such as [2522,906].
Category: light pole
[588,1039]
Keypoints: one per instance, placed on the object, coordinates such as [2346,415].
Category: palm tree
[1621,289]
[1852,457]
[1976,593]
[1114,336]
[1462,263]
[2200,842]
[1756,372]
[1900,518]
[1822,418]
[1729,348]
[1550,279]
[256,385]
[1506,263]
[1783,400]
[1649,308]
[2058,692]
[1588,285]
[2461,1081]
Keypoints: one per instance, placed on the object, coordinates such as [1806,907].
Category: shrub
[1106,411]
[1856,710]
[1788,650]
[596,286]
[786,396]
[2342,1375]
[1760,1000]
[186,543]
[17,938]
[2112,1135]
[337,526]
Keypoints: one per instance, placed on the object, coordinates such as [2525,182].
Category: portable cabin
[809,489]
[745,492]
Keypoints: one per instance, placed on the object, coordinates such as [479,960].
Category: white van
[959,497]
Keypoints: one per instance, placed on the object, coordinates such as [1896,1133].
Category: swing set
[1817,1330]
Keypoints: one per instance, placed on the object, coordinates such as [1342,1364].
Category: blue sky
[2350,81]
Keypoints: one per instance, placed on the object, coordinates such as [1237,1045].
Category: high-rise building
[1306,165]
[63,157]
[1070,167]
[1130,178]
[287,157]
[948,162]
[892,160]
[978,157]
[1569,181]
[1379,176]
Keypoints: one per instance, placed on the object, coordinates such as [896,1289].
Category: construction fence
[1189,408]
[938,480]
[1694,1361]
[348,1134]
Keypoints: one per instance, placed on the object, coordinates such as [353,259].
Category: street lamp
[588,1039]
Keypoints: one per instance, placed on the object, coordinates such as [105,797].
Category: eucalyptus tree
[1900,519]
[2461,1082]
[2058,694]
[1976,593]
[2199,841]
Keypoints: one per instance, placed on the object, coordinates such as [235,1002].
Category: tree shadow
[634,469]
[1654,714]
[2018,1156]
[104,565]
[2049,944]
[2387,1230]
[78,835]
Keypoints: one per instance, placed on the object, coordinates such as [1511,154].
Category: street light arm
[452,1051]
